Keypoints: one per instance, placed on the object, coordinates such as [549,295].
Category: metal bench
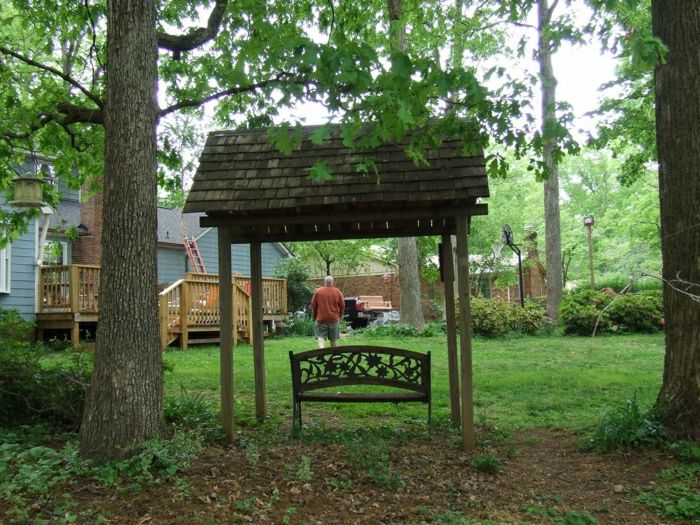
[329,368]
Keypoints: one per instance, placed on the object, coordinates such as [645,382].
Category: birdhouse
[29,192]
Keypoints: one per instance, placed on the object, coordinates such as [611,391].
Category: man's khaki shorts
[328,330]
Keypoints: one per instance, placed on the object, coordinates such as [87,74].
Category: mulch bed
[545,475]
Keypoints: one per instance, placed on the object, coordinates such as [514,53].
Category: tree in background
[297,274]
[342,257]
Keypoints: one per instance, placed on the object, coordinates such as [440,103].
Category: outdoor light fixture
[29,192]
[507,238]
[588,223]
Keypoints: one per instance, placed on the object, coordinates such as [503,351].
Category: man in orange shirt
[327,306]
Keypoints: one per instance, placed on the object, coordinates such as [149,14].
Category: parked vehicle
[360,311]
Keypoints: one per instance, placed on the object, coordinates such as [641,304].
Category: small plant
[193,411]
[341,483]
[487,463]
[302,326]
[678,502]
[625,427]
[301,472]
[372,459]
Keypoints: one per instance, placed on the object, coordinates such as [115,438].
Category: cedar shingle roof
[244,181]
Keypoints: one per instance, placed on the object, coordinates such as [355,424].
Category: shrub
[633,312]
[493,318]
[579,312]
[12,327]
[626,427]
[31,391]
[193,411]
[638,312]
[301,325]
[299,291]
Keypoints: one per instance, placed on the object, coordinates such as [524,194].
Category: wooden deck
[69,300]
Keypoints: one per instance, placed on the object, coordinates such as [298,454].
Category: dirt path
[545,478]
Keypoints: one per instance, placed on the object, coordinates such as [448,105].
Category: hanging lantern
[29,192]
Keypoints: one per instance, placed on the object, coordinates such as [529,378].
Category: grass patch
[519,383]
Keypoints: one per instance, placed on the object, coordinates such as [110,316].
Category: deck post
[184,313]
[468,438]
[226,330]
[448,274]
[257,328]
[74,290]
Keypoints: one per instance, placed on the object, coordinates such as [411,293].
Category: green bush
[628,426]
[192,411]
[637,312]
[31,391]
[12,327]
[629,313]
[299,291]
[304,326]
[494,318]
[579,312]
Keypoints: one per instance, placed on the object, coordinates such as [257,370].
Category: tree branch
[77,114]
[193,103]
[195,37]
[55,72]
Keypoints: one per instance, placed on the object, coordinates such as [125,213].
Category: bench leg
[430,416]
[296,418]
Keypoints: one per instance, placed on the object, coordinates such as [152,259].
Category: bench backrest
[360,365]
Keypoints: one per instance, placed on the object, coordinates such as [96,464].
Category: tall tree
[545,48]
[677,84]
[124,403]
[407,256]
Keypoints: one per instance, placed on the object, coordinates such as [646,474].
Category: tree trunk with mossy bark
[552,224]
[125,401]
[677,87]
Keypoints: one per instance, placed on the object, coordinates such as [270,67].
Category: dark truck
[363,309]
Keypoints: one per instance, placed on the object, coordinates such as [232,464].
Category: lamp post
[588,223]
[507,238]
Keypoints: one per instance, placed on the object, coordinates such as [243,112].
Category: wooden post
[468,438]
[74,287]
[184,312]
[257,327]
[226,331]
[448,272]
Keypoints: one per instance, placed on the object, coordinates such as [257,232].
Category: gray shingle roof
[242,176]
[171,222]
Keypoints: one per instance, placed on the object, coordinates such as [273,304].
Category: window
[55,253]
[4,262]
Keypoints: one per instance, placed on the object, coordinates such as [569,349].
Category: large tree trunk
[677,84]
[124,404]
[409,275]
[552,228]
[409,280]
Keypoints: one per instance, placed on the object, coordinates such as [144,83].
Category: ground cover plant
[537,400]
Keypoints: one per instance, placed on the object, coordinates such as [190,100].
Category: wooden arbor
[253,194]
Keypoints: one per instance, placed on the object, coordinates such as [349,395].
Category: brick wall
[387,285]
[87,249]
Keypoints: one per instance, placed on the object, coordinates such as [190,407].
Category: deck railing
[73,288]
[195,298]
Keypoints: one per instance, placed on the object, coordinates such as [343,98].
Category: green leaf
[320,172]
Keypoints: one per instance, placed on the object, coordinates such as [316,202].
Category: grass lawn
[519,383]
[376,463]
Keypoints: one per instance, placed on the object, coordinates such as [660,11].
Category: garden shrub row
[494,318]
[640,312]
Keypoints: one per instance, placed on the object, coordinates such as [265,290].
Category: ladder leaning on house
[193,254]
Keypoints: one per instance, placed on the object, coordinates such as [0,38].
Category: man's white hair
[328,280]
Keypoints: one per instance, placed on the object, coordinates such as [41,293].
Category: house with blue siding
[40,267]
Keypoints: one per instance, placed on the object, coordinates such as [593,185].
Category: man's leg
[321,333]
[322,342]
[334,333]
